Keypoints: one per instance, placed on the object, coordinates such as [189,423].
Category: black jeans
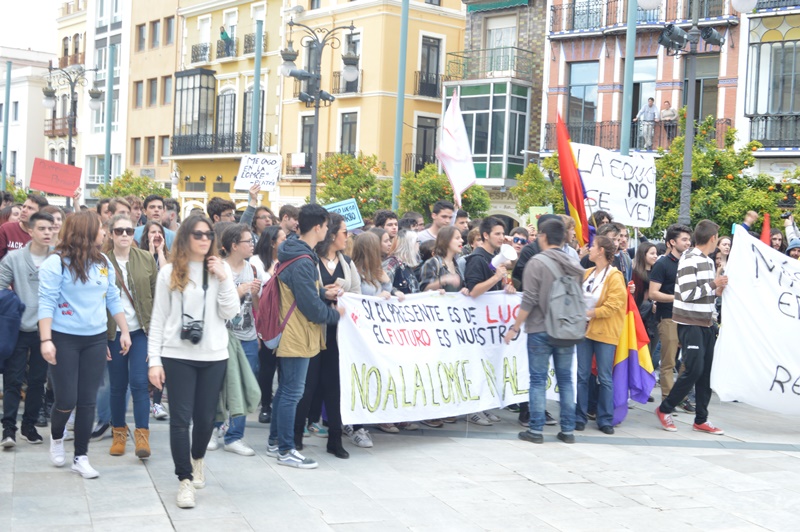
[323,373]
[194,389]
[697,347]
[267,364]
[76,376]
[26,353]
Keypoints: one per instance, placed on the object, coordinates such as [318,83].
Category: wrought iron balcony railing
[776,131]
[340,86]
[617,14]
[58,127]
[213,143]
[708,9]
[201,53]
[299,170]
[250,43]
[774,4]
[227,49]
[508,62]
[414,162]
[428,84]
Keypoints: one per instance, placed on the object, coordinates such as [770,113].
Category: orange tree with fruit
[420,190]
[346,176]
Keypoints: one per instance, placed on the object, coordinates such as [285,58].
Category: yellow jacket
[301,338]
[609,318]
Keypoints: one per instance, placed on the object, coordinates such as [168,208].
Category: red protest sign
[55,178]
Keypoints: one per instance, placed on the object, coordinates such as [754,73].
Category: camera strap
[205,290]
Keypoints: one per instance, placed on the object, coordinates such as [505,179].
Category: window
[136,152]
[1,113]
[15,111]
[155,34]
[349,133]
[428,82]
[501,37]
[12,164]
[306,139]
[52,154]
[247,118]
[169,31]
[152,92]
[588,14]
[138,94]
[99,116]
[166,90]
[164,143]
[101,12]
[314,4]
[426,142]
[353,41]
[433,2]
[116,13]
[62,156]
[193,109]
[100,62]
[141,38]
[582,103]
[151,150]
[226,118]
[95,168]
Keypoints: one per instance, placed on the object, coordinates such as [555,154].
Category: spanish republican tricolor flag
[632,375]
[574,193]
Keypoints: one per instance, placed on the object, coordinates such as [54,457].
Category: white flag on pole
[454,151]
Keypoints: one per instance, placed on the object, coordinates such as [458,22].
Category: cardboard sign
[298,160]
[55,178]
[349,211]
[535,212]
[264,169]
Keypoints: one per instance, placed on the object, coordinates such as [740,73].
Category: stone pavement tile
[733,480]
[658,498]
[528,493]
[592,496]
[335,509]
[707,519]
[236,473]
[571,520]
[50,511]
[390,486]
[121,502]
[786,480]
[499,515]
[424,511]
[769,518]
[306,482]
[446,528]
[278,511]
[150,523]
[477,494]
[740,464]
[211,503]
[53,482]
[218,524]
[372,526]
[546,473]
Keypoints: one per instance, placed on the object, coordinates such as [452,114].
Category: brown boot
[120,435]
[142,439]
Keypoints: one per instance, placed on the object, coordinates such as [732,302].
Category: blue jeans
[236,424]
[130,369]
[604,353]
[539,352]
[291,384]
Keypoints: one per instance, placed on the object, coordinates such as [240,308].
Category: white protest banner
[757,359]
[263,168]
[350,212]
[429,357]
[623,186]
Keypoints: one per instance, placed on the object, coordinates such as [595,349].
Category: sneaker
[295,459]
[82,466]
[533,437]
[272,450]
[198,473]
[566,438]
[433,423]
[159,412]
[590,415]
[41,420]
[451,419]
[491,417]
[306,434]
[239,447]
[708,428]
[101,430]
[548,419]
[213,443]
[513,408]
[9,439]
[407,426]
[580,427]
[479,419]
[687,407]
[31,435]
[389,428]
[347,430]
[361,438]
[265,416]
[68,435]
[607,429]
[524,417]
[318,430]
[186,493]
[71,421]
[57,454]
[666,421]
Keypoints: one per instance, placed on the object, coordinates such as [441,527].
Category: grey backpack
[565,320]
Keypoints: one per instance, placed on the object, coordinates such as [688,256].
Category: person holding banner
[606,297]
[440,271]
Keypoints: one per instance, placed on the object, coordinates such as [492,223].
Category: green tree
[533,189]
[128,184]
[345,176]
[419,191]
[19,193]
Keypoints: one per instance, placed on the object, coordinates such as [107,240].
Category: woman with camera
[136,279]
[188,344]
[76,286]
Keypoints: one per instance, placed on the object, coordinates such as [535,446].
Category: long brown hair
[181,249]
[144,240]
[78,245]
[443,239]
[367,257]
[640,260]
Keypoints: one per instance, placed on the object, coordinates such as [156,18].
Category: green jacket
[142,274]
[240,393]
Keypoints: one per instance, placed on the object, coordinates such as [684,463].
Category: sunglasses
[198,235]
[520,240]
[119,231]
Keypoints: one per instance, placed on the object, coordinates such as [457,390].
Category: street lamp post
[72,78]
[315,40]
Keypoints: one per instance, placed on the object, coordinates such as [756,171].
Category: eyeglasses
[520,240]
[119,231]
[198,235]
[251,242]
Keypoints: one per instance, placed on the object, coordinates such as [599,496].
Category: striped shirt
[694,290]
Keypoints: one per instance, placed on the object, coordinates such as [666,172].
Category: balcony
[428,84]
[298,170]
[607,134]
[250,44]
[775,4]
[708,9]
[227,50]
[340,86]
[617,14]
[201,53]
[505,62]
[76,6]
[414,162]
[584,16]
[213,143]
[58,127]
[776,131]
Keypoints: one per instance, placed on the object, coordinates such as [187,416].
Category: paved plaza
[458,478]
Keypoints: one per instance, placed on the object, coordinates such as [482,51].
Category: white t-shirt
[593,287]
[38,259]
[130,312]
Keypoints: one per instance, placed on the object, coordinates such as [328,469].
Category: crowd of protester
[126,303]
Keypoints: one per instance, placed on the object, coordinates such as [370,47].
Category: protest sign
[431,356]
[349,210]
[264,169]
[55,178]
[535,212]
[756,359]
[624,186]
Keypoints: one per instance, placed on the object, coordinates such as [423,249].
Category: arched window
[65,47]
[76,43]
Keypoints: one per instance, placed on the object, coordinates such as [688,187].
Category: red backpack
[268,320]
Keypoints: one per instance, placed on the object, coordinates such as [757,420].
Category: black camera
[785,215]
[192,331]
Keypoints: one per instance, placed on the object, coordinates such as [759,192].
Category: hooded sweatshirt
[538,280]
[301,277]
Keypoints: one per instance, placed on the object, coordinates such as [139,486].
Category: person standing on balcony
[669,116]
[224,37]
[649,115]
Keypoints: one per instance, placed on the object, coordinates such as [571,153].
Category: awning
[491,6]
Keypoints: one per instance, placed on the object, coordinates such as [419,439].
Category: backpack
[11,309]
[565,319]
[268,322]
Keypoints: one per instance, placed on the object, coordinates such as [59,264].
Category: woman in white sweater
[188,342]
